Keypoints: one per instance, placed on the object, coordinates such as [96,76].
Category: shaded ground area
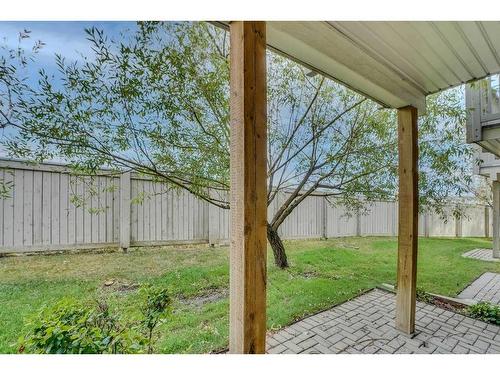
[484,288]
[322,274]
[481,254]
[366,325]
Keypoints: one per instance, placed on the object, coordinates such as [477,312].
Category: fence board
[340,222]
[54,208]
[37,207]
[40,214]
[18,208]
[63,209]
[28,208]
[46,207]
[8,212]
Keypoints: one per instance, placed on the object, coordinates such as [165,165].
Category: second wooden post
[408,219]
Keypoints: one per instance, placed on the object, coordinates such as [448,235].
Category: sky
[65,38]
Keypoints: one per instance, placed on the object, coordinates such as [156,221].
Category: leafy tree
[157,102]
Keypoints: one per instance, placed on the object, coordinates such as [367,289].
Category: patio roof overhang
[395,63]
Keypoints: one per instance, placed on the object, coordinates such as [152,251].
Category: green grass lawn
[322,273]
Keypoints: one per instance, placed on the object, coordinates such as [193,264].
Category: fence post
[358,223]
[458,226]
[213,225]
[125,210]
[324,218]
[395,226]
[486,221]
[426,224]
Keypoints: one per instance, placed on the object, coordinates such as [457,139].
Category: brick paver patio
[481,254]
[484,288]
[366,325]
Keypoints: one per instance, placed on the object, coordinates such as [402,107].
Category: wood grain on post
[248,188]
[408,219]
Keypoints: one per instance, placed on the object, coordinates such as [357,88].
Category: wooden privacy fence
[47,208]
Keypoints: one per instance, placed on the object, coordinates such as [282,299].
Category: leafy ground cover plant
[423,296]
[485,311]
[76,327]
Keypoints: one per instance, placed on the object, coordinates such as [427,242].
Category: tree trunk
[277,245]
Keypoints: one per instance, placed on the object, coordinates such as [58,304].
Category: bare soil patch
[206,296]
[119,286]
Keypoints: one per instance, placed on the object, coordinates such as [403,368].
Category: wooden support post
[125,211]
[247,330]
[408,220]
[496,219]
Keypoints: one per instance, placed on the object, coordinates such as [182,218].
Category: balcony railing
[482,99]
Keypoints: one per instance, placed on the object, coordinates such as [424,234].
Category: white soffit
[395,63]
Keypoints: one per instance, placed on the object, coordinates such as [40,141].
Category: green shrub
[155,308]
[74,327]
[486,312]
